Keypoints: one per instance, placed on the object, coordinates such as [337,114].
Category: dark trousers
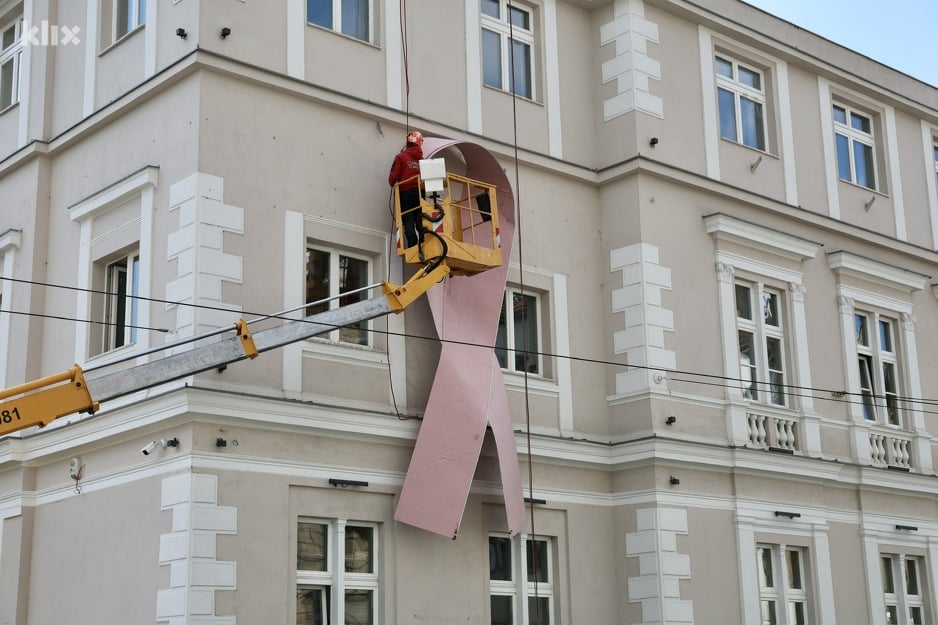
[410,221]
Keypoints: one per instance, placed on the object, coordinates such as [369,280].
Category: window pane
[750,78]
[359,607]
[9,37]
[312,605]
[866,387]
[490,7]
[863,161]
[7,74]
[501,340]
[753,125]
[860,327]
[521,76]
[525,330]
[768,613]
[355,19]
[317,280]
[519,18]
[911,576]
[892,615]
[860,122]
[773,348]
[770,309]
[796,613]
[916,614]
[319,12]
[724,68]
[889,586]
[353,274]
[843,158]
[727,102]
[747,365]
[502,610]
[885,336]
[359,543]
[499,558]
[766,579]
[891,390]
[141,12]
[794,569]
[491,59]
[538,610]
[311,547]
[124,17]
[743,302]
[840,115]
[537,561]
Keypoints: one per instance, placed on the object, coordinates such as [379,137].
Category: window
[761,343]
[513,602]
[128,14]
[879,369]
[741,98]
[853,133]
[517,344]
[507,44]
[11,57]
[903,589]
[323,596]
[330,274]
[120,302]
[783,594]
[349,17]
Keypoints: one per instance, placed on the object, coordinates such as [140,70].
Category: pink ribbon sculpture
[468,391]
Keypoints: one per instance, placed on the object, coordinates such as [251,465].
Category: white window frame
[13,55]
[763,332]
[781,593]
[335,256]
[880,403]
[534,351]
[501,27]
[519,588]
[335,579]
[855,136]
[905,602]
[337,20]
[136,17]
[740,90]
[121,308]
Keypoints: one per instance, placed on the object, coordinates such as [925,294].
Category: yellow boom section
[63,394]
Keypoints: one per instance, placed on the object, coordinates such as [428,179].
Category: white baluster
[760,425]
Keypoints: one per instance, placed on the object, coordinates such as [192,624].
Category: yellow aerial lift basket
[457,220]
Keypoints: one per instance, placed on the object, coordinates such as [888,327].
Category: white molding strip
[828,151]
[895,173]
[296,39]
[928,146]
[473,67]
[552,80]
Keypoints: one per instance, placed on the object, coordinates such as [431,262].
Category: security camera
[149,448]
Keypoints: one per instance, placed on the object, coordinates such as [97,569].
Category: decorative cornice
[726,228]
[847,264]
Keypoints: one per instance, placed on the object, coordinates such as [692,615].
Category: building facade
[715,341]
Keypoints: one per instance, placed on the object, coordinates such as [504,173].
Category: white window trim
[740,90]
[334,337]
[16,52]
[502,28]
[762,333]
[782,593]
[881,538]
[112,304]
[854,136]
[141,183]
[929,145]
[519,587]
[750,524]
[296,228]
[337,20]
[10,242]
[335,576]
[900,596]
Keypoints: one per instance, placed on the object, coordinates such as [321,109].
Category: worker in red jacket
[405,170]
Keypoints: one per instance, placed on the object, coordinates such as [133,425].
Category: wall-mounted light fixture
[225,32]
[181,33]
[220,442]
[653,141]
[790,515]
[670,420]
[346,483]
[908,528]
[674,481]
